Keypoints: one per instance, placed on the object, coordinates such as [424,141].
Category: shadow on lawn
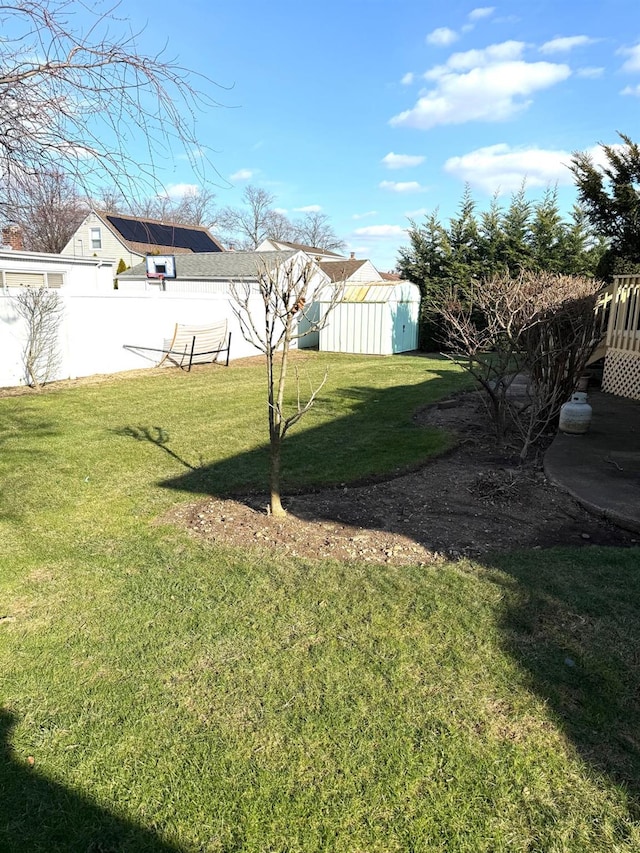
[39,815]
[571,617]
[333,441]
[573,625]
[17,455]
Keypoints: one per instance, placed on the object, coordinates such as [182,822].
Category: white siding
[38,268]
[367,272]
[357,327]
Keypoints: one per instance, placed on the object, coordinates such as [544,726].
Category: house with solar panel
[117,237]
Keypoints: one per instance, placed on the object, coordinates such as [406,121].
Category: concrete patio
[601,469]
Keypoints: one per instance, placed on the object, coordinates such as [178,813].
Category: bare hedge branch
[541,323]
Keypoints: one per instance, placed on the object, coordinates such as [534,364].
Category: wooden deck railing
[623,327]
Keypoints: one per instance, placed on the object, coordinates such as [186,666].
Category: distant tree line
[48,206]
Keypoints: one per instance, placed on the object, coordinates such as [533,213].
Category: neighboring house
[349,270]
[314,252]
[41,269]
[115,236]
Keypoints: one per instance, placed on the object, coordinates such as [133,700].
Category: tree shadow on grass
[572,622]
[18,454]
[569,617]
[41,816]
[320,455]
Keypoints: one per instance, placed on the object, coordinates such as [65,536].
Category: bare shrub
[540,323]
[42,312]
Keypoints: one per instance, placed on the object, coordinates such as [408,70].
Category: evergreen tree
[491,245]
[464,242]
[611,198]
[427,263]
[548,234]
[516,232]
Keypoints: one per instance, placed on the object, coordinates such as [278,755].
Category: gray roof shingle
[221,265]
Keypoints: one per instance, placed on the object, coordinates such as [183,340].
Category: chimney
[12,237]
[353,256]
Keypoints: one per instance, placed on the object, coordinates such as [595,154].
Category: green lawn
[163,695]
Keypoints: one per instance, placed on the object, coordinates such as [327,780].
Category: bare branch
[74,96]
[41,310]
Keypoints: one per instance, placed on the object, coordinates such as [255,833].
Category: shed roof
[381,291]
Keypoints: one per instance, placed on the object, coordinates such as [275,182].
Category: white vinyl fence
[95,327]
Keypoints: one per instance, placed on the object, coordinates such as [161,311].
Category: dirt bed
[470,502]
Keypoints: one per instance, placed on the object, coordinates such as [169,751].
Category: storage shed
[374,318]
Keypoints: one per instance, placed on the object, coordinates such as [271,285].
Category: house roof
[390,276]
[142,235]
[222,265]
[341,270]
[309,250]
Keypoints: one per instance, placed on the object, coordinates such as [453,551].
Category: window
[96,238]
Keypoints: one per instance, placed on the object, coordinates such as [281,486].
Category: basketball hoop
[161,266]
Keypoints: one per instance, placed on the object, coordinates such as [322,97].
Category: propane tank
[575,415]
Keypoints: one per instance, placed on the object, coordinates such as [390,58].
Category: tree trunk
[275,504]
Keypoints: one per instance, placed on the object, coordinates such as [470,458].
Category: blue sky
[372,111]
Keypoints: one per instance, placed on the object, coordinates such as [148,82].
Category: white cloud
[408,78]
[365,215]
[565,44]
[181,190]
[282,210]
[631,90]
[241,175]
[401,186]
[502,168]
[414,214]
[590,72]
[481,12]
[468,60]
[402,161]
[442,37]
[380,231]
[309,208]
[632,64]
[481,85]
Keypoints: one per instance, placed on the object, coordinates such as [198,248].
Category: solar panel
[157,234]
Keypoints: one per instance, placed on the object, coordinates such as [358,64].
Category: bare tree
[41,310]
[194,207]
[255,221]
[47,206]
[540,323]
[74,95]
[316,230]
[285,289]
